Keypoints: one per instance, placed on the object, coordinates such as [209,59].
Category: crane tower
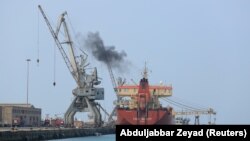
[86,91]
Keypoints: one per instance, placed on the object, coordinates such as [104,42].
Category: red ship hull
[154,117]
[141,105]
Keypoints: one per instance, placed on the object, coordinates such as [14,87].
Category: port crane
[114,84]
[190,110]
[110,119]
[197,114]
[86,91]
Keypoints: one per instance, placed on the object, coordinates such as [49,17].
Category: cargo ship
[140,104]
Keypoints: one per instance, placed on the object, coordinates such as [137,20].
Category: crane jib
[73,70]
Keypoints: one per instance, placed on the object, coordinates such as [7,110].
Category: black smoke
[106,54]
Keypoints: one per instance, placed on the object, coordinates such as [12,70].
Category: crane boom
[86,92]
[197,114]
[112,78]
[115,90]
[59,45]
[70,43]
[210,111]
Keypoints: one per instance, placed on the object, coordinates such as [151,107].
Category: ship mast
[145,72]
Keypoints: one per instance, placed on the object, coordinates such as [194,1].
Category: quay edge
[35,135]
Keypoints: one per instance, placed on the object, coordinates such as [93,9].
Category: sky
[199,47]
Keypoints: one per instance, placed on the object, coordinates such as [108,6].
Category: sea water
[110,137]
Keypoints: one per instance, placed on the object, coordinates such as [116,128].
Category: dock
[30,134]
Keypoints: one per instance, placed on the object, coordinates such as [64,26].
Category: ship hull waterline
[154,117]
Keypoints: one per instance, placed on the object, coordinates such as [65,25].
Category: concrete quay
[35,134]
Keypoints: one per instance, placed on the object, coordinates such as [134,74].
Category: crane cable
[38,49]
[178,104]
[54,83]
[73,30]
[78,43]
[38,37]
[192,104]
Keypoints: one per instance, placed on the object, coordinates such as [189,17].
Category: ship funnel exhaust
[105,54]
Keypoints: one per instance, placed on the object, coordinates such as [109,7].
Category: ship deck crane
[85,93]
[197,114]
[114,84]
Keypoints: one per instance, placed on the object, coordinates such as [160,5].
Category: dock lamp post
[28,60]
